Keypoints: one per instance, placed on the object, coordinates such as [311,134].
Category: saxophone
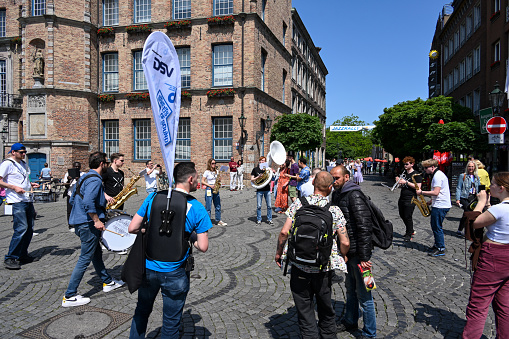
[125,193]
[420,201]
[217,185]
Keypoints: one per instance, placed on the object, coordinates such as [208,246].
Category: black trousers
[69,208]
[406,210]
[304,287]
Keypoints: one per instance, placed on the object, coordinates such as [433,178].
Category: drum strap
[78,186]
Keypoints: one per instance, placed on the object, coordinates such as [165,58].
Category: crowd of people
[335,193]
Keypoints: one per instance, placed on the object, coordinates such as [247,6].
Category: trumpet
[396,184]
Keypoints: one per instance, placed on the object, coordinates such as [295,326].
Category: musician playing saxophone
[262,192]
[113,179]
[408,191]
[209,180]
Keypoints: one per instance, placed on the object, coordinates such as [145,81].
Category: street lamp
[242,123]
[268,123]
[497,100]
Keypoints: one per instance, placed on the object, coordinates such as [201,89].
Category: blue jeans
[90,252]
[259,197]
[217,204]
[437,218]
[151,189]
[23,215]
[174,287]
[356,295]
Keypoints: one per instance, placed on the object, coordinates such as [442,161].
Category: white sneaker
[222,223]
[35,233]
[122,252]
[71,229]
[113,285]
[104,248]
[77,300]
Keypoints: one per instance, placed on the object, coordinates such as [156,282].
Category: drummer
[87,215]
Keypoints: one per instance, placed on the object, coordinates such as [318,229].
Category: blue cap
[17,146]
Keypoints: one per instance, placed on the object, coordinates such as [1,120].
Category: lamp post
[497,100]
[242,123]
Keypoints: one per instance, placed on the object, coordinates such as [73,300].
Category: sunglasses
[336,178]
[22,152]
[212,163]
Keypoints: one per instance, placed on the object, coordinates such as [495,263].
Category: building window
[140,83]
[496,6]
[110,72]
[3,83]
[446,53]
[451,48]
[142,11]
[2,22]
[184,54]
[462,33]
[264,5]
[142,137]
[284,33]
[294,104]
[38,7]
[222,65]
[262,138]
[477,16]
[477,59]
[183,146]
[181,9]
[462,71]
[496,51]
[223,7]
[477,102]
[263,61]
[110,136]
[468,101]
[446,85]
[456,76]
[456,40]
[294,68]
[468,66]
[222,138]
[284,86]
[110,12]
[469,25]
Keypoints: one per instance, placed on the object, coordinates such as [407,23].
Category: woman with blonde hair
[357,176]
[490,283]
[467,189]
[483,174]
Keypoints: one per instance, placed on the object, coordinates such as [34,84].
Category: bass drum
[116,238]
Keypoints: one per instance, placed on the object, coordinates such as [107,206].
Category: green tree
[352,144]
[412,128]
[298,132]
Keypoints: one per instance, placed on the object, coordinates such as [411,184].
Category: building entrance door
[36,164]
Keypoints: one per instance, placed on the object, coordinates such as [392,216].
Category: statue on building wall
[38,64]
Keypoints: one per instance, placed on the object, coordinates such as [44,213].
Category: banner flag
[162,71]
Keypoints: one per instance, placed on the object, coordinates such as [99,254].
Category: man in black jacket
[350,199]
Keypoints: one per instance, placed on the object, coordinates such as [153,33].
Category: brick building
[472,43]
[72,76]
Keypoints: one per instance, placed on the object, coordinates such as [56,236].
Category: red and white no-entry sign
[496,125]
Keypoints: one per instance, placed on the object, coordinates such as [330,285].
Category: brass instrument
[276,157]
[125,194]
[217,185]
[420,201]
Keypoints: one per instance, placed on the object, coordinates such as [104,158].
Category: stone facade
[71,121]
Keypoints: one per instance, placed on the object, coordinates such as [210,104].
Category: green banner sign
[485,115]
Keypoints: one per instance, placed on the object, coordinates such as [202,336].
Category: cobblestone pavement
[237,291]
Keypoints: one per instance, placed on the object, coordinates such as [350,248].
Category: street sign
[496,125]
[495,139]
[484,116]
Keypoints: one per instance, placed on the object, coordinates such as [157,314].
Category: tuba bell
[275,158]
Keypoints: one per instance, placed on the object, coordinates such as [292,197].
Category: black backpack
[311,236]
[382,228]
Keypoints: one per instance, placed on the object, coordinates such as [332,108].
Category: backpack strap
[304,201]
[78,186]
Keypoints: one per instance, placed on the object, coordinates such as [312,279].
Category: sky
[376,53]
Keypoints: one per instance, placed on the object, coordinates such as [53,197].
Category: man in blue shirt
[169,277]
[87,217]
[303,175]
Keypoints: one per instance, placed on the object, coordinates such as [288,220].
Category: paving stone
[237,291]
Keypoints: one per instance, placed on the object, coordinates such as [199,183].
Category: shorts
[292,191]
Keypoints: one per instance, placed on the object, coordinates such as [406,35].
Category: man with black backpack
[87,217]
[349,197]
[312,225]
[170,233]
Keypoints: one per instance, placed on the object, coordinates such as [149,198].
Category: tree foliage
[352,144]
[412,128]
[298,132]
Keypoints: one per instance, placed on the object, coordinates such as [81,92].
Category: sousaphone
[275,158]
